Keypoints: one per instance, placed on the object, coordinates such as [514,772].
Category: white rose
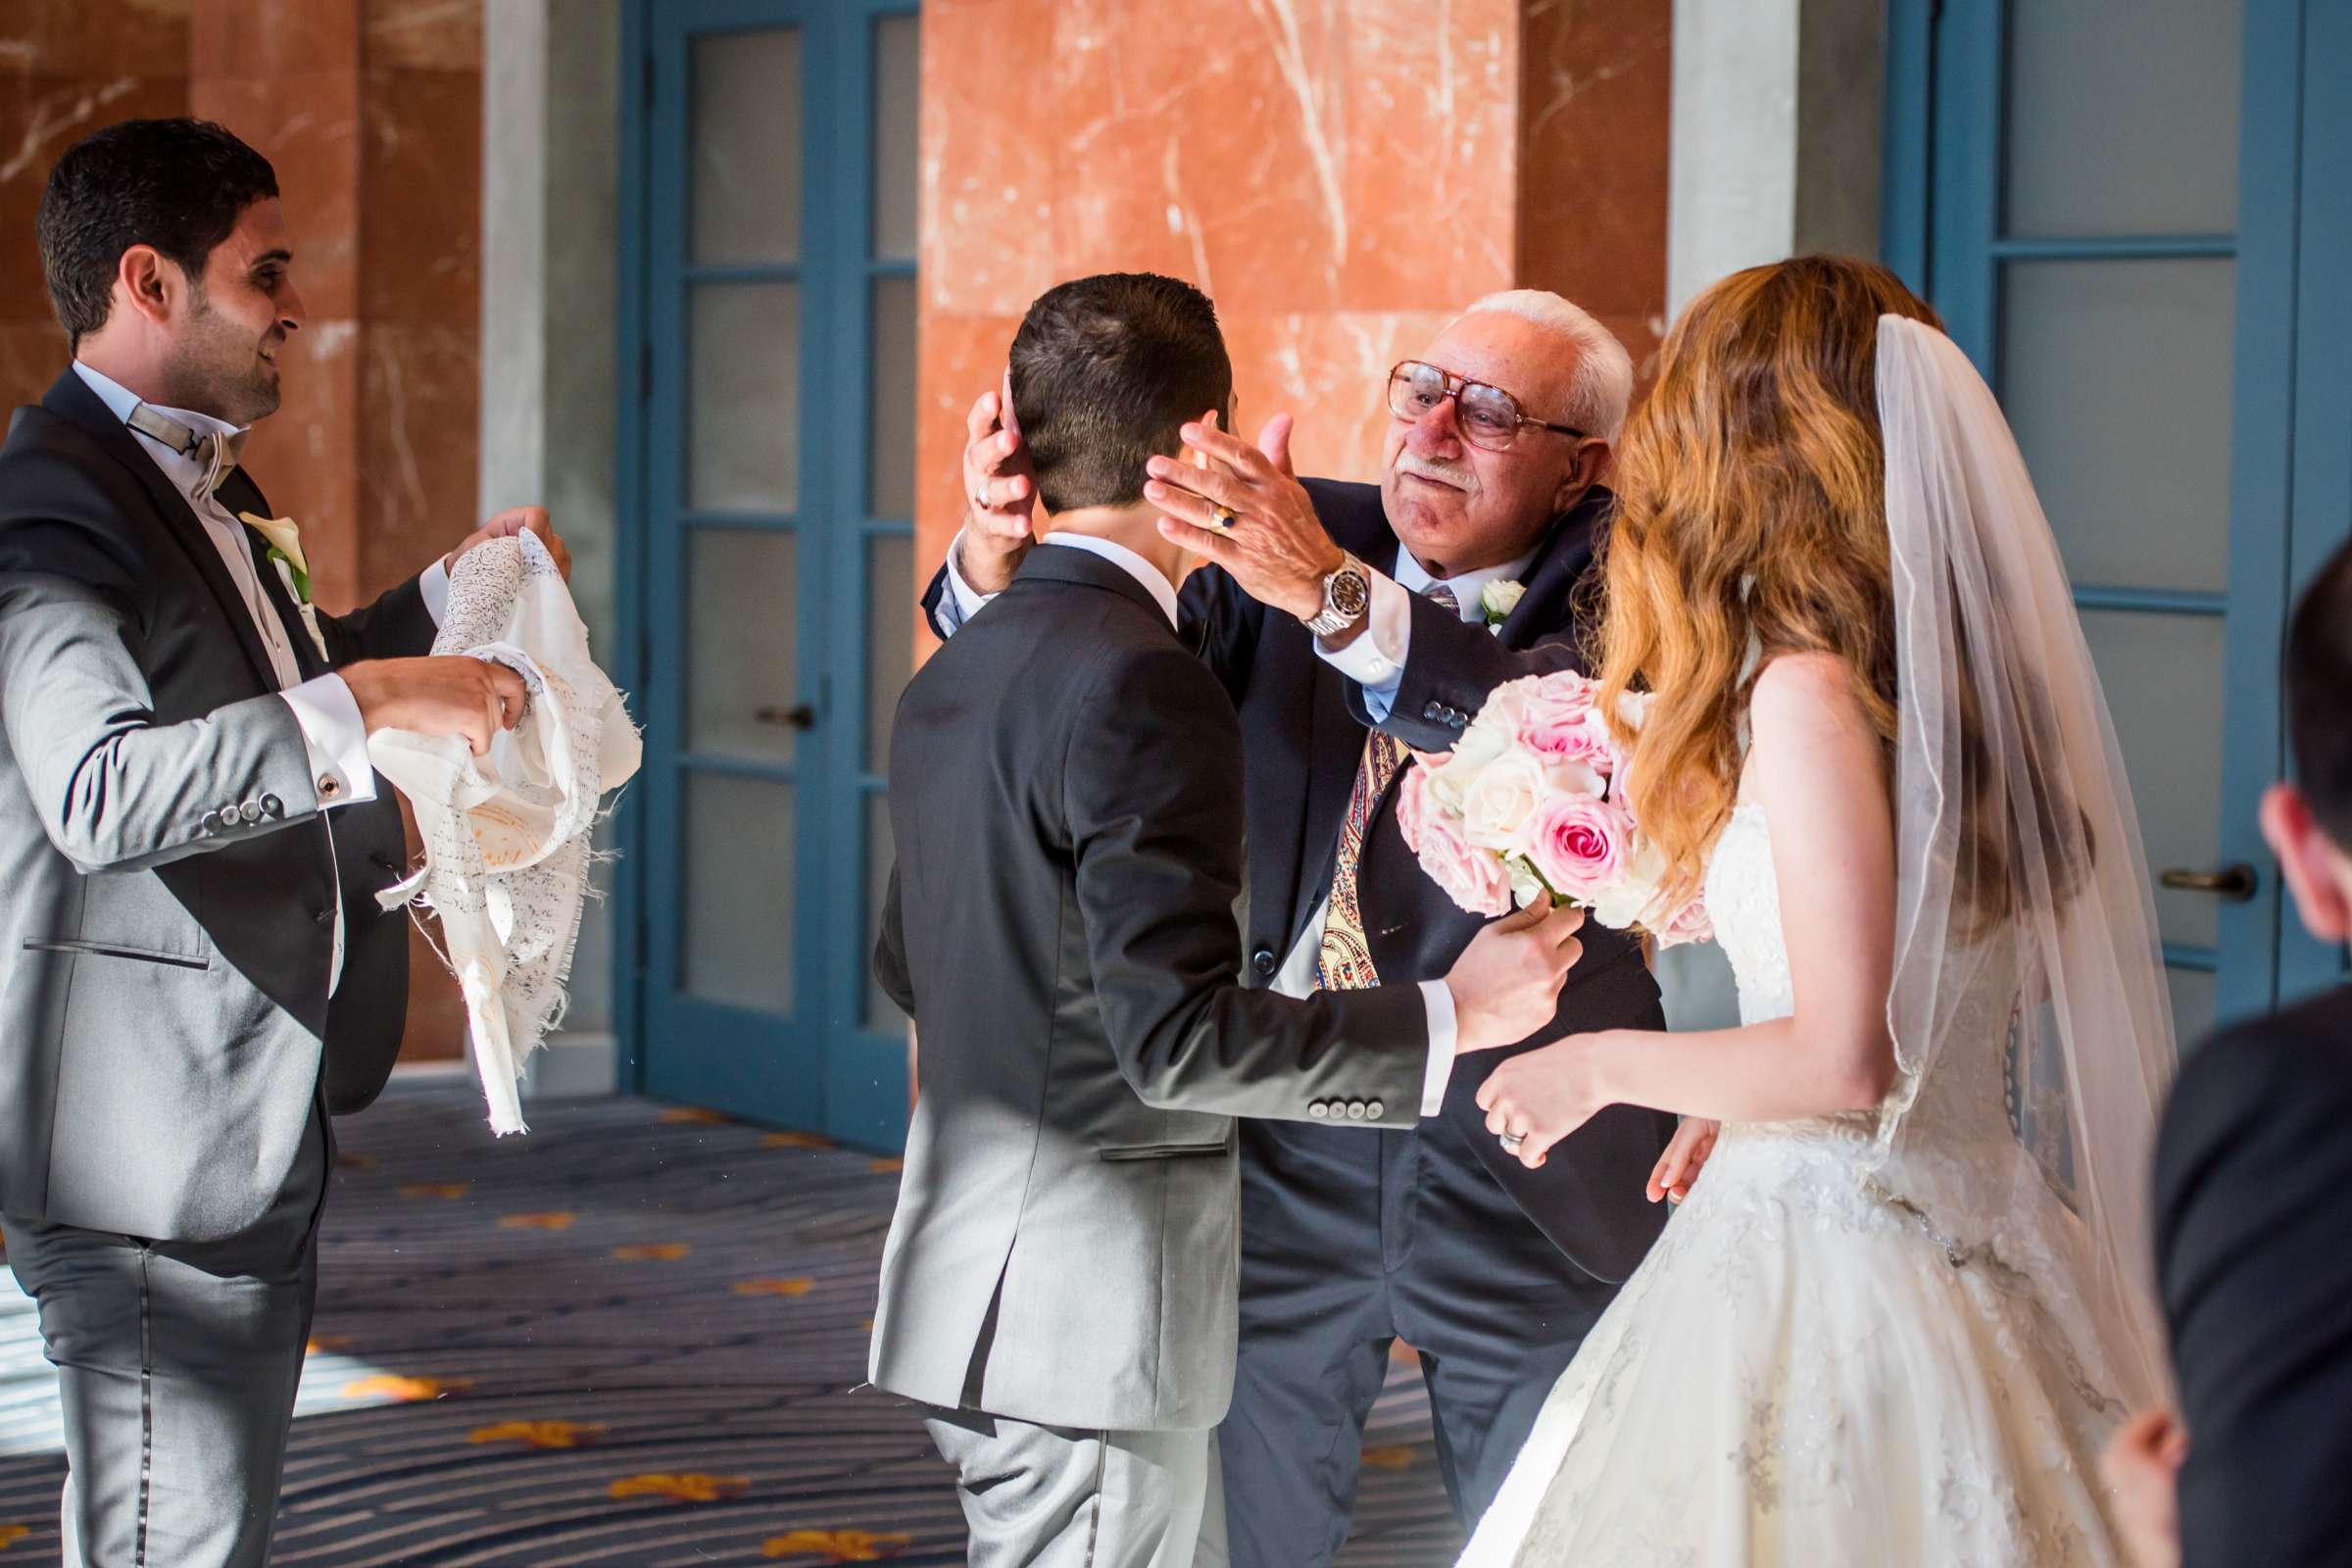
[1496,804]
[1526,887]
[1629,900]
[1501,596]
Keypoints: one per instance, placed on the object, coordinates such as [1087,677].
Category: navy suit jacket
[2254,1260]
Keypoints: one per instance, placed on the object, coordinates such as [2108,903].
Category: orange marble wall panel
[1597,90]
[66,67]
[1338,174]
[281,40]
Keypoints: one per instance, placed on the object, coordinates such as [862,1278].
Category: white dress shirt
[324,708]
[1436,997]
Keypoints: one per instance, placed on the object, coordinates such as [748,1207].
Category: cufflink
[330,786]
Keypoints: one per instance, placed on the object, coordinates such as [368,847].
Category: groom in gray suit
[193,970]
[1065,786]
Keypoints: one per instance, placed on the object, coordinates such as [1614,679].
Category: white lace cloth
[1807,1372]
[505,836]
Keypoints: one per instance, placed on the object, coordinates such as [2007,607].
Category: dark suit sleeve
[116,788]
[890,951]
[1450,666]
[1152,791]
[2254,1245]
[398,625]
[1224,623]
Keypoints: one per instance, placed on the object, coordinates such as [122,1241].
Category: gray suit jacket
[1065,790]
[165,943]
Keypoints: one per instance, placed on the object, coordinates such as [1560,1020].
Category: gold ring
[1220,518]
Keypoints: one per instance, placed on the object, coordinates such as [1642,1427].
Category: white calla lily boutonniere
[285,539]
[1498,599]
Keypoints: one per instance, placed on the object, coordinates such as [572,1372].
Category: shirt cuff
[337,738]
[1442,1036]
[1375,658]
[433,584]
[962,601]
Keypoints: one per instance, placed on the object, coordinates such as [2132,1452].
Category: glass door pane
[2113,277]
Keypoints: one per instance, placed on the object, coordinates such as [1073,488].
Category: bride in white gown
[1902,1306]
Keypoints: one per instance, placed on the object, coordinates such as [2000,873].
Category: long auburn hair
[1751,520]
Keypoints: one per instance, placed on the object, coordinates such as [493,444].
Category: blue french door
[2124,211]
[768,275]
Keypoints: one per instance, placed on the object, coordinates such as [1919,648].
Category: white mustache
[1460,476]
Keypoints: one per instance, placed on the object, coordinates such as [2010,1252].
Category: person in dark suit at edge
[2254,1204]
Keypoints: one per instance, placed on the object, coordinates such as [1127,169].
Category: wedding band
[1511,1142]
[980,499]
[1220,518]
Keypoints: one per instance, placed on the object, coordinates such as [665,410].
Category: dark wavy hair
[179,185]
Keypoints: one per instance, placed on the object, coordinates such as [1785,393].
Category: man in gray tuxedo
[193,970]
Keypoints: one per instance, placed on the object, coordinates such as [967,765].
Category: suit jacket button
[330,787]
[211,822]
[1262,960]
[1319,1110]
[1374,1110]
[1355,1111]
[272,807]
[1433,710]
[251,810]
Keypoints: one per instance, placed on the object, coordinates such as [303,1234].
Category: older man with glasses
[1351,621]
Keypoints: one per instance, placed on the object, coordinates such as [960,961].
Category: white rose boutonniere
[284,538]
[1498,599]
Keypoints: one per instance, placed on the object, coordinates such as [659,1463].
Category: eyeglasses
[1489,415]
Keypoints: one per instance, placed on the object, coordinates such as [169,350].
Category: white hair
[1603,387]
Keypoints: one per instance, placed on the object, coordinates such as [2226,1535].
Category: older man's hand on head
[1000,488]
[1240,507]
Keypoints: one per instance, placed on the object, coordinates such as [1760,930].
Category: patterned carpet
[633,1337]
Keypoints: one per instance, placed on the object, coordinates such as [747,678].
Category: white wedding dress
[1811,1372]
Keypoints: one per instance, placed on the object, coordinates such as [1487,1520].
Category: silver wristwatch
[1347,598]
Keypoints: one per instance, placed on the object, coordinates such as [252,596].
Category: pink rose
[1586,742]
[1690,923]
[1472,877]
[1579,844]
[1557,722]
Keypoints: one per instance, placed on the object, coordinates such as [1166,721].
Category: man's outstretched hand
[1000,493]
[512,521]
[1274,546]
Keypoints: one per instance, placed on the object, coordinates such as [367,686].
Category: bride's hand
[1539,1097]
[1688,1150]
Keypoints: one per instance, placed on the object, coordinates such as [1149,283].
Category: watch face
[1351,595]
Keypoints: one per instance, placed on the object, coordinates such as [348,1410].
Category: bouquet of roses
[1530,803]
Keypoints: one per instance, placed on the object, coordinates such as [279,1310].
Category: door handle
[802,717]
[2236,883]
